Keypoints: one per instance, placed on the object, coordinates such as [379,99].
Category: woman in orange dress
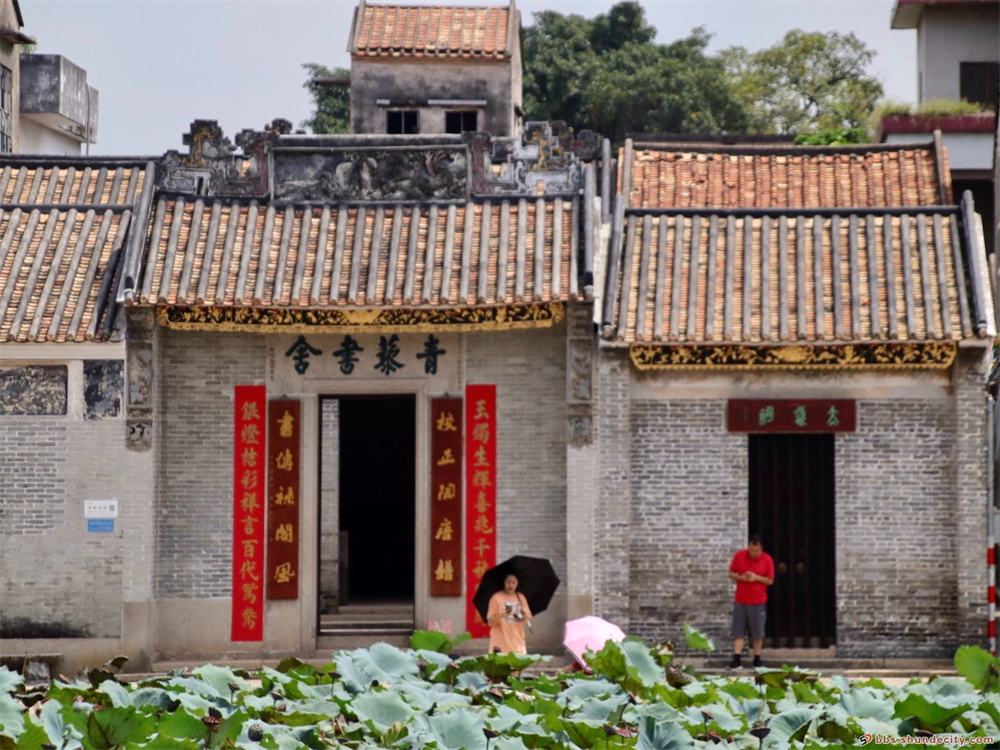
[506,616]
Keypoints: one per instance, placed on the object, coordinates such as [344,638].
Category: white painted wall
[949,36]
[38,139]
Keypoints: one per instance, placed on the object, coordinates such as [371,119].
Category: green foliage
[833,137]
[381,697]
[807,82]
[435,640]
[697,640]
[331,103]
[607,74]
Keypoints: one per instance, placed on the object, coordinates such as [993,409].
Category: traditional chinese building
[794,342]
[299,392]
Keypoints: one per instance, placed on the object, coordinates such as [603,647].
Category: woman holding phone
[507,614]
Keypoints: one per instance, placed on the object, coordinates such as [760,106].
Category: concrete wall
[910,503]
[10,57]
[460,79]
[948,36]
[36,138]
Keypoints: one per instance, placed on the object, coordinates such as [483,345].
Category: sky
[160,64]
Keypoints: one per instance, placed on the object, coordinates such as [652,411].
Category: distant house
[59,108]
[435,69]
[11,39]
[958,57]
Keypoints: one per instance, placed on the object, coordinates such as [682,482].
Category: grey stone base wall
[197,373]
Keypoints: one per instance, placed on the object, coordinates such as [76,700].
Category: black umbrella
[536,581]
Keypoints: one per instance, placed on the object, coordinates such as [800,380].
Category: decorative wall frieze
[360,321]
[580,373]
[911,356]
[305,175]
[139,374]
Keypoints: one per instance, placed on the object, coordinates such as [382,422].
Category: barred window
[6,109]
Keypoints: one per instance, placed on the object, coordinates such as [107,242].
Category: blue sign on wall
[100,524]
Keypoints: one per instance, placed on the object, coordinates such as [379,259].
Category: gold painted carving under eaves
[914,356]
[366,320]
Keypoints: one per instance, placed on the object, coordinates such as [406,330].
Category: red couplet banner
[446,497]
[283,476]
[249,461]
[481,496]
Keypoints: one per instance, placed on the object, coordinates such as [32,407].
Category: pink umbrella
[589,633]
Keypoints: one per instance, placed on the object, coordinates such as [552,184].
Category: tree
[807,82]
[331,103]
[607,74]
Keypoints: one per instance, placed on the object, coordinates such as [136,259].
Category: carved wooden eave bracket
[871,356]
[374,320]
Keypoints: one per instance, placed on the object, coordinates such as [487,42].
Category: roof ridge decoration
[548,159]
[210,166]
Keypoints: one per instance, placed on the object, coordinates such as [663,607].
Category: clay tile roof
[806,278]
[64,226]
[232,254]
[809,246]
[790,177]
[432,32]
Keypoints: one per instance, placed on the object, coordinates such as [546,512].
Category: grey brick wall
[910,513]
[971,485]
[689,504]
[896,530]
[329,513]
[529,370]
[59,579]
[613,512]
[196,374]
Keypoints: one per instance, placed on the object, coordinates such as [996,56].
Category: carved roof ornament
[206,141]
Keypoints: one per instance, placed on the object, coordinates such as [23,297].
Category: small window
[6,110]
[461,121]
[980,83]
[402,122]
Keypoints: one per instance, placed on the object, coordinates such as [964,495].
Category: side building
[795,342]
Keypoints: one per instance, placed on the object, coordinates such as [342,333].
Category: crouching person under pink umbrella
[508,612]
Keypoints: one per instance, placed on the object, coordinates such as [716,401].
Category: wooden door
[792,508]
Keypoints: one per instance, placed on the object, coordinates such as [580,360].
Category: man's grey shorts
[749,618]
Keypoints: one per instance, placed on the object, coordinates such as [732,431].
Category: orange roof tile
[679,176]
[432,32]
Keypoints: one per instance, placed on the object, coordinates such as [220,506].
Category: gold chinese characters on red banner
[446,497]
[481,493]
[248,513]
[283,464]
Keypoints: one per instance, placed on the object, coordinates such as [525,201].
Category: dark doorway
[377,505]
[792,508]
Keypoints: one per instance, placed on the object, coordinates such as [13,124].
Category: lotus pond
[637,697]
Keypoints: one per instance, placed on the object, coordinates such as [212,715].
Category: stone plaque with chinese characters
[789,416]
[446,497]
[283,470]
[373,357]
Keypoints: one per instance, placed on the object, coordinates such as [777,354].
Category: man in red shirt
[753,570]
